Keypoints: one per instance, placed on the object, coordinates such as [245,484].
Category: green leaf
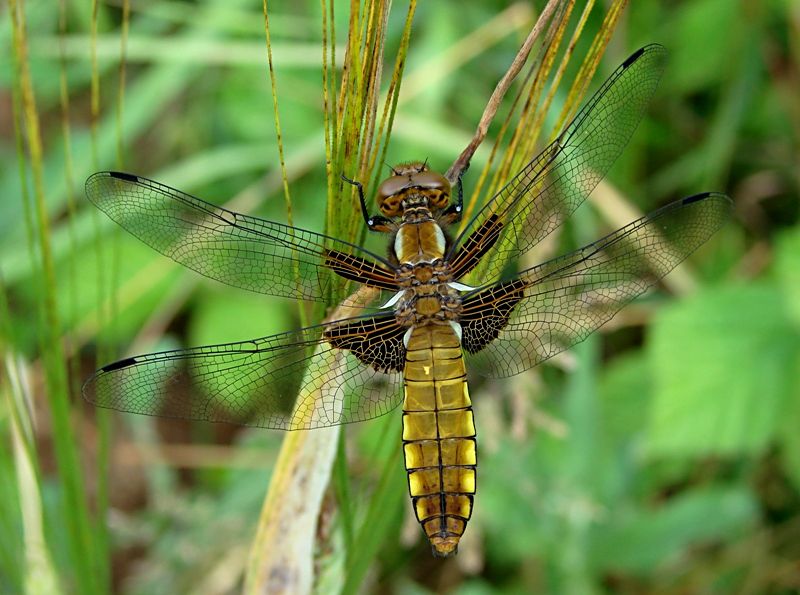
[787,270]
[626,389]
[690,67]
[224,314]
[722,369]
[790,428]
[508,504]
[644,539]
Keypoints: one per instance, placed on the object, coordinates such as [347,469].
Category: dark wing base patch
[360,270]
[375,342]
[486,313]
[476,246]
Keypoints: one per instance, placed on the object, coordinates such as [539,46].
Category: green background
[661,456]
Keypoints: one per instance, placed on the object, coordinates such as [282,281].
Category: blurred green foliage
[662,457]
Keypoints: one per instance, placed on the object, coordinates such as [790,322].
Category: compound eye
[431,179]
[388,191]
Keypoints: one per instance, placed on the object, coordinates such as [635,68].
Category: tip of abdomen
[444,546]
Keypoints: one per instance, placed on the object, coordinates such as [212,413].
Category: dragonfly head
[412,180]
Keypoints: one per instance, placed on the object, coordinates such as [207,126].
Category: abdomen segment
[439,435]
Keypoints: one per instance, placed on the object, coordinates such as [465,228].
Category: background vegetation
[660,456]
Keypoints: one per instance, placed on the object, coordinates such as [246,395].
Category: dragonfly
[441,303]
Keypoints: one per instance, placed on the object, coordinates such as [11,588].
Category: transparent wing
[331,374]
[510,326]
[236,249]
[541,196]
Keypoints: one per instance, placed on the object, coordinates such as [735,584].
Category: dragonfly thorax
[424,273]
[428,304]
[427,296]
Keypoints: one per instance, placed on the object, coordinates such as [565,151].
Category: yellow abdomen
[439,435]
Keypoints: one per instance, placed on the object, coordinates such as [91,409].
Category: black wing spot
[690,199]
[123,176]
[633,57]
[123,363]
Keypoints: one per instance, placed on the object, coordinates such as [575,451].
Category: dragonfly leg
[454,212]
[374,222]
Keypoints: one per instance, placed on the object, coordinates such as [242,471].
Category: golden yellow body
[438,435]
[438,427]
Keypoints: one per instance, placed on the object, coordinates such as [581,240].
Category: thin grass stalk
[540,114]
[522,145]
[528,91]
[279,139]
[590,63]
[463,160]
[350,133]
[376,41]
[377,46]
[359,90]
[390,103]
[69,180]
[107,306]
[336,120]
[95,84]
[360,97]
[106,352]
[527,142]
[276,114]
[123,48]
[374,64]
[351,50]
[517,153]
[328,115]
[523,142]
[75,510]
[27,207]
[527,125]
[371,77]
[334,113]
[337,164]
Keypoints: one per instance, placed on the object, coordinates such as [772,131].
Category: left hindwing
[508,327]
[319,376]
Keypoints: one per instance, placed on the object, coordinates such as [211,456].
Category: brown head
[408,179]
